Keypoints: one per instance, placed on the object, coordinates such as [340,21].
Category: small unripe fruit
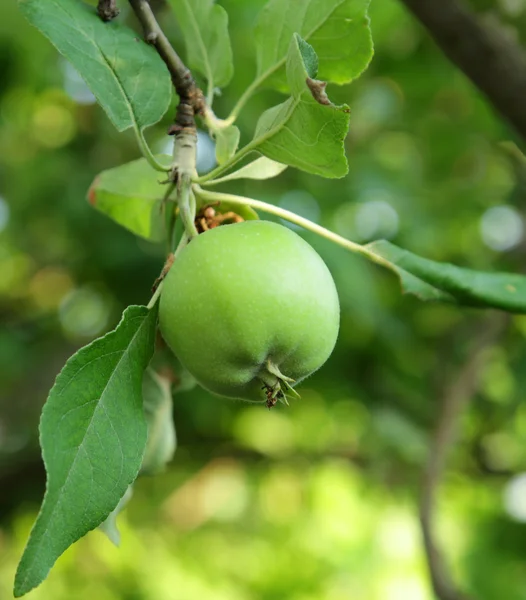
[250,309]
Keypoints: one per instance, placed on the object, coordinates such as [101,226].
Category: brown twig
[486,53]
[108,9]
[191,103]
[456,396]
[183,81]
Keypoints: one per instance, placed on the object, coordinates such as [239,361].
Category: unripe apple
[250,309]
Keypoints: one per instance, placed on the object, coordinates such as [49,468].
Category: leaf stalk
[211,196]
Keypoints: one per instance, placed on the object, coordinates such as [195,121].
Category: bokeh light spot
[280,495]
[380,100]
[53,125]
[224,494]
[268,432]
[376,219]
[513,8]
[372,218]
[83,313]
[515,497]
[502,228]
[206,152]
[48,286]
[502,451]
[404,588]
[398,536]
[15,269]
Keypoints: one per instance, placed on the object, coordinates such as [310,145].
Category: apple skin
[247,305]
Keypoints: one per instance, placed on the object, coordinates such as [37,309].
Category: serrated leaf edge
[19,589]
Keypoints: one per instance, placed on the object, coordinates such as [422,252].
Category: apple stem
[366,250]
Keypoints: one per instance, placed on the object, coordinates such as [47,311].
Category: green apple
[250,309]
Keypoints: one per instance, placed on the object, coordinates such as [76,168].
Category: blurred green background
[318,501]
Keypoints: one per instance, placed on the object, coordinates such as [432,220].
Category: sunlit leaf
[307,131]
[227,141]
[93,435]
[204,26]
[338,30]
[127,76]
[261,168]
[131,195]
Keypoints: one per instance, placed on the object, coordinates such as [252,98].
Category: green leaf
[310,58]
[261,168]
[131,195]
[158,407]
[307,131]
[127,76]
[431,280]
[109,526]
[205,31]
[338,30]
[227,141]
[93,435]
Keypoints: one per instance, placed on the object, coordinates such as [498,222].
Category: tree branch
[456,397]
[191,103]
[493,61]
[107,9]
[183,81]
